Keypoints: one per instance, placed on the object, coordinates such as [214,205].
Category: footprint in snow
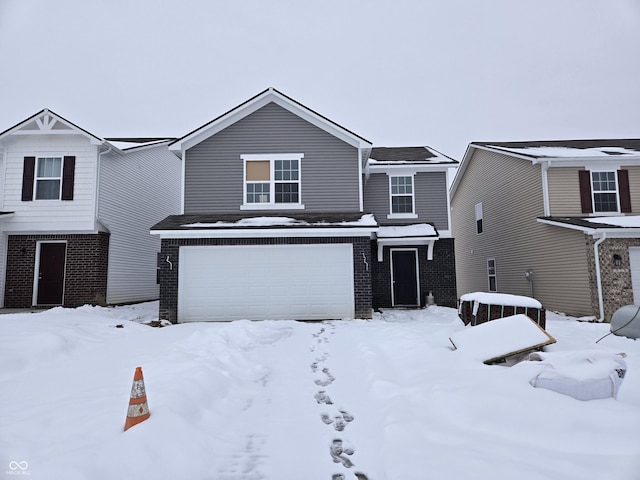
[326,381]
[322,397]
[338,453]
[339,421]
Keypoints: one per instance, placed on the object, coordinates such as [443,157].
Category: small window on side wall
[491,274]
[479,218]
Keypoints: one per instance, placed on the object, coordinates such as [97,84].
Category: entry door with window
[404,277]
[50,273]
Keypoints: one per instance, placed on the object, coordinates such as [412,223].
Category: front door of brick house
[404,277]
[50,273]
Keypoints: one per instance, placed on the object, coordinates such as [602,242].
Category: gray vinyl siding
[430,196]
[214,168]
[510,191]
[136,191]
[564,191]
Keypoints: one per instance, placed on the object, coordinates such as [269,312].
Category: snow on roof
[501,299]
[627,221]
[567,152]
[417,230]
[364,221]
[407,155]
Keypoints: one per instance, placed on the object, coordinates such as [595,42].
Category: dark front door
[404,277]
[50,283]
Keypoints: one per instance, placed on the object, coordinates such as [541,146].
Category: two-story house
[557,220]
[75,214]
[280,219]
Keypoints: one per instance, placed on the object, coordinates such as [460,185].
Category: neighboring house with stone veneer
[558,220]
[288,215]
[75,211]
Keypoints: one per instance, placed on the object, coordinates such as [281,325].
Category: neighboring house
[557,220]
[75,214]
[280,217]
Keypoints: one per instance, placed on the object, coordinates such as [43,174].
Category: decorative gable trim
[270,95]
[49,123]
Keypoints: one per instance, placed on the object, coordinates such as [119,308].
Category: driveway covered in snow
[379,399]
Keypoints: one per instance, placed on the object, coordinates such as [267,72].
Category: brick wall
[617,288]
[168,273]
[437,275]
[87,258]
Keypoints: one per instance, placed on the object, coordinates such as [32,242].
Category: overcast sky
[441,73]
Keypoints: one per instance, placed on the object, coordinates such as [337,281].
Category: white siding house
[75,213]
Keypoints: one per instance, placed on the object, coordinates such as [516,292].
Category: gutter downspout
[98,168]
[545,187]
[596,255]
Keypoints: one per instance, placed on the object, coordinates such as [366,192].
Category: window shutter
[623,190]
[28,178]
[585,191]
[68,172]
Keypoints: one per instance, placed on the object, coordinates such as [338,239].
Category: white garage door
[295,282]
[634,264]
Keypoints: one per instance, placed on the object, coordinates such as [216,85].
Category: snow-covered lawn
[382,399]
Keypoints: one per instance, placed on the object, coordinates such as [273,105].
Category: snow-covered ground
[382,399]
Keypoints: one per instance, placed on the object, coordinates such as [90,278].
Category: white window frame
[271,158]
[411,214]
[493,275]
[37,178]
[594,192]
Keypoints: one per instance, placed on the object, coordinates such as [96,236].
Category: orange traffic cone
[138,409]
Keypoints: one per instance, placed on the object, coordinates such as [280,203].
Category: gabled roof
[126,143]
[49,122]
[404,155]
[263,98]
[557,152]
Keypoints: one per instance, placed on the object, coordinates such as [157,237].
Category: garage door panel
[302,282]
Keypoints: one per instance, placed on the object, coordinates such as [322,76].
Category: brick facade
[437,275]
[617,288]
[87,258]
[168,272]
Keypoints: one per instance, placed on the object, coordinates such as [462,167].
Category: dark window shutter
[28,178]
[623,190]
[68,171]
[585,191]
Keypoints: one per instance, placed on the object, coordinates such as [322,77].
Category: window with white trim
[272,181]
[401,188]
[491,274]
[48,178]
[604,186]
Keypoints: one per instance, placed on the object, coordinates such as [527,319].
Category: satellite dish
[625,321]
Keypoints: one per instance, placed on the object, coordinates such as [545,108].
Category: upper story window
[272,181]
[603,191]
[48,178]
[402,198]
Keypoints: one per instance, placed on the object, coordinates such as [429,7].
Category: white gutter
[98,168]
[545,188]
[596,254]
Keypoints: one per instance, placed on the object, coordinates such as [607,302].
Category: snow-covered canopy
[417,230]
[367,220]
[501,299]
